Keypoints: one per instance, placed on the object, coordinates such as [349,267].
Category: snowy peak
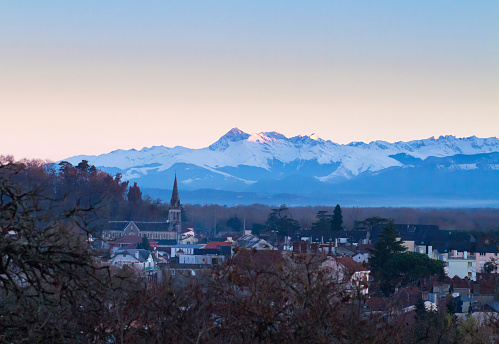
[315,137]
[241,158]
[233,135]
[264,137]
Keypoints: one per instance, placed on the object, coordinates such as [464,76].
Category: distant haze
[89,77]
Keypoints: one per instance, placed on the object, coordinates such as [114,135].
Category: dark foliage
[337,220]
[279,221]
[235,224]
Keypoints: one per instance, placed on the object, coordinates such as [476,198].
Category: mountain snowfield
[239,161]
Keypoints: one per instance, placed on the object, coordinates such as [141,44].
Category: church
[170,230]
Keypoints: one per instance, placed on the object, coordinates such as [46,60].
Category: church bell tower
[175,212]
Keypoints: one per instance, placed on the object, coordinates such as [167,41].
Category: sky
[89,77]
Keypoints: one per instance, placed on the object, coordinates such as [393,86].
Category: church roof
[141,225]
[175,201]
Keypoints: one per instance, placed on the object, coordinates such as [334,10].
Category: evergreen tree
[384,249]
[257,228]
[134,202]
[281,223]
[134,194]
[144,245]
[83,166]
[235,223]
[183,214]
[371,222]
[323,221]
[337,221]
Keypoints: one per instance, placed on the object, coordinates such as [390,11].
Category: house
[328,236]
[252,242]
[355,276]
[463,304]
[136,258]
[361,257]
[130,242]
[179,249]
[201,259]
[213,253]
[492,307]
[487,253]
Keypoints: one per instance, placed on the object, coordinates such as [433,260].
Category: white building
[209,259]
[136,258]
[184,249]
[462,266]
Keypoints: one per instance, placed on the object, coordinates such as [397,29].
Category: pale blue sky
[103,75]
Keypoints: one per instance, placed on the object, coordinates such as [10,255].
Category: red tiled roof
[351,265]
[216,244]
[128,239]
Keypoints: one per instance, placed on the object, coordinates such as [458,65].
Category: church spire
[175,201]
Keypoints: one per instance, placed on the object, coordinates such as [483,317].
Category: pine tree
[386,247]
[144,245]
[183,214]
[134,194]
[337,221]
[323,221]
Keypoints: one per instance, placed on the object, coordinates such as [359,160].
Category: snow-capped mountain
[271,162]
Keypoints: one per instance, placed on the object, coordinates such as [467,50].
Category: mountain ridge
[243,162]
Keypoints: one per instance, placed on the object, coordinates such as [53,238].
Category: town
[468,283]
[77,254]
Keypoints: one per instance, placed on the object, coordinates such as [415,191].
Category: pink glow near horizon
[87,81]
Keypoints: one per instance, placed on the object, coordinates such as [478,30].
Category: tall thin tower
[175,212]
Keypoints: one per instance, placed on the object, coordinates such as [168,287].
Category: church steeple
[175,212]
[175,201]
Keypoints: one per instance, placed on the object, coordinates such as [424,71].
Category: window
[482,254]
[469,264]
[469,274]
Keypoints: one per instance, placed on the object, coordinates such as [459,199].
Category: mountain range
[268,167]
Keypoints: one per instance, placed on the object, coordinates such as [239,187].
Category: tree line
[479,220]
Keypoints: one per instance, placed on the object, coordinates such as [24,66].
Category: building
[151,230]
[352,275]
[175,212]
[184,249]
[252,242]
[154,231]
[138,259]
[130,242]
[461,265]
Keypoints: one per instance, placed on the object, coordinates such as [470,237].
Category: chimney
[137,254]
[465,255]
[430,251]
